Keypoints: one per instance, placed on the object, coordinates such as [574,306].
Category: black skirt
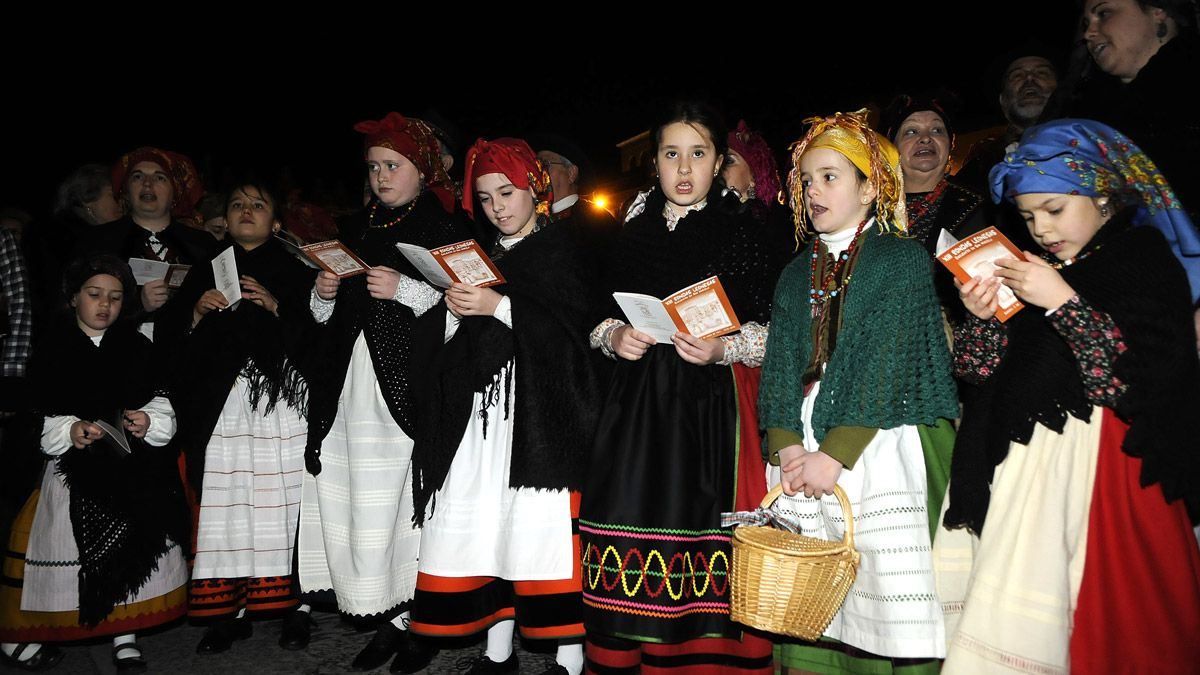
[655,558]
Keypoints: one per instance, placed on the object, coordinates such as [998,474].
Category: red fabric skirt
[1139,599]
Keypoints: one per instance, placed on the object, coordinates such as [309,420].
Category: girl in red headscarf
[356,532]
[511,403]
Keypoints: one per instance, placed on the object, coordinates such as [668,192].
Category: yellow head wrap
[873,155]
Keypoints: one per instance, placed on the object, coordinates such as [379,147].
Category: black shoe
[46,657]
[482,665]
[556,669]
[297,630]
[383,646]
[219,637]
[128,658]
[412,655]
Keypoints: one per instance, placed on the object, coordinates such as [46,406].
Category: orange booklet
[702,310]
[464,262]
[976,256]
[334,257]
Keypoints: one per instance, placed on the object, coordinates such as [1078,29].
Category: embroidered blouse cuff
[418,296]
[321,308]
[601,336]
[747,346]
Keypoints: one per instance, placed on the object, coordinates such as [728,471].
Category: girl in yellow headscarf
[856,391]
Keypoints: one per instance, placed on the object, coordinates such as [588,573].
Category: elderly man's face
[562,173]
[1028,84]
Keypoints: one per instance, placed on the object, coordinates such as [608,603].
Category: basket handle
[848,538]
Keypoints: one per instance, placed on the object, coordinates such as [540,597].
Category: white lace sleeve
[162,421]
[418,296]
[747,346]
[321,308]
[601,336]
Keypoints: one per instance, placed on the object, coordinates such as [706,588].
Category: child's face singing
[1061,224]
[834,197]
[98,303]
[687,162]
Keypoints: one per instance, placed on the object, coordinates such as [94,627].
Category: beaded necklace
[397,219]
[1071,261]
[827,291]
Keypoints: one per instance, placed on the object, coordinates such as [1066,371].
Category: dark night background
[295,105]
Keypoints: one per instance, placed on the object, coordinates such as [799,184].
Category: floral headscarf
[1084,157]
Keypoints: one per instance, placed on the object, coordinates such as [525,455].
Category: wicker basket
[787,583]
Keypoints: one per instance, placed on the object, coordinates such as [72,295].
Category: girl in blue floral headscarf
[1077,439]
[1083,157]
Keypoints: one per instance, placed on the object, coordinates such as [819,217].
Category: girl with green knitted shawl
[856,391]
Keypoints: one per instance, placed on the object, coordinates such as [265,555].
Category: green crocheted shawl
[891,366]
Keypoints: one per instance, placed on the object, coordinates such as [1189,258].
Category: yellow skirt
[22,626]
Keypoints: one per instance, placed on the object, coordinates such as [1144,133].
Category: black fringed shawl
[1130,274]
[721,239]
[123,509]
[386,323]
[247,340]
[556,392]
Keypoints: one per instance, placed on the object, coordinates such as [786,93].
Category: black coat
[1149,111]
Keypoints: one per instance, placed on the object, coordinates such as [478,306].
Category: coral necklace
[819,295]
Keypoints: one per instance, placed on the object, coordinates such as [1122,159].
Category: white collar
[564,203]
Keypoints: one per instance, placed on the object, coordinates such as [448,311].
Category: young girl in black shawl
[666,456]
[511,406]
[101,538]
[357,536]
[1075,466]
[242,422]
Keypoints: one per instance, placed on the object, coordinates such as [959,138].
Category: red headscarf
[416,141]
[515,159]
[185,183]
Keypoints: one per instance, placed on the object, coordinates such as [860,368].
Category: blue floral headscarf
[1083,157]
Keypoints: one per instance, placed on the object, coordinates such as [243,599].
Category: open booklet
[145,271]
[332,256]
[976,256]
[702,310]
[463,262]
[115,436]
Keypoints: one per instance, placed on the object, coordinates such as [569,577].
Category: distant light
[600,201]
